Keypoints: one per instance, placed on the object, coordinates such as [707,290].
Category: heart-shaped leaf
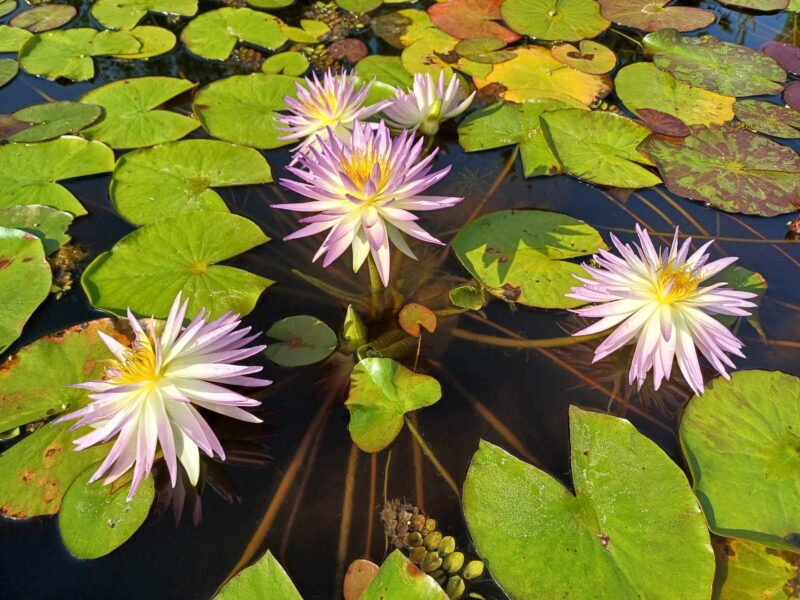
[264,579]
[590,57]
[214,34]
[791,95]
[652,15]
[288,63]
[563,20]
[748,570]
[46,223]
[126,14]
[304,340]
[53,119]
[153,41]
[44,17]
[400,579]
[786,55]
[12,38]
[466,19]
[769,118]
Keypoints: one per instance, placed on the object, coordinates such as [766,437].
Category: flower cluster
[362,182]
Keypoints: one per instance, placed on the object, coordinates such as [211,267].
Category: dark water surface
[328,515]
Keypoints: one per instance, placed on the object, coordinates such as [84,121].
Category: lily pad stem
[432,457]
[376,288]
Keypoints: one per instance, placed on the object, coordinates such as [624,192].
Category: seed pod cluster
[249,59]
[433,552]
[342,23]
[319,58]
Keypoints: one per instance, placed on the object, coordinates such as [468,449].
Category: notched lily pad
[769,118]
[48,224]
[562,20]
[44,17]
[652,15]
[214,34]
[400,579]
[264,579]
[303,340]
[8,70]
[786,55]
[484,50]
[589,57]
[468,19]
[51,120]
[748,570]
[126,14]
[288,63]
[662,123]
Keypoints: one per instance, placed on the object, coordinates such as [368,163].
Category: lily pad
[643,85]
[242,109]
[162,182]
[769,118]
[505,124]
[791,95]
[740,439]
[153,41]
[53,119]
[467,296]
[304,340]
[46,223]
[663,123]
[731,169]
[130,116]
[712,64]
[563,20]
[599,147]
[68,52]
[786,55]
[310,31]
[44,17]
[484,50]
[263,580]
[96,519]
[34,382]
[386,74]
[288,63]
[400,579]
[748,570]
[146,269]
[359,6]
[7,6]
[520,255]
[13,38]
[24,282]
[534,73]
[270,4]
[351,50]
[632,525]
[8,70]
[381,392]
[29,172]
[467,19]
[652,15]
[214,34]
[590,57]
[125,14]
[759,5]
[414,317]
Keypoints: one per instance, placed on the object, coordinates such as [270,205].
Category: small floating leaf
[53,119]
[632,524]
[740,441]
[125,14]
[562,20]
[520,255]
[769,118]
[467,19]
[270,4]
[748,570]
[484,50]
[359,575]
[731,169]
[44,17]
[381,392]
[288,63]
[590,57]
[161,182]
[96,519]
[242,109]
[130,115]
[46,223]
[304,340]
[359,6]
[350,49]
[29,172]
[786,55]
[652,15]
[146,269]
[7,6]
[791,95]
[387,72]
[400,579]
[12,38]
[24,282]
[599,147]
[214,34]
[467,296]
[310,31]
[759,5]
[414,317]
[8,70]
[663,123]
[264,579]
[153,41]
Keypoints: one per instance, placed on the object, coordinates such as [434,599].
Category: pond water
[316,503]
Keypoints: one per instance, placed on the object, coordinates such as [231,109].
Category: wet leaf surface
[559,20]
[214,34]
[12,38]
[633,522]
[649,15]
[52,120]
[303,340]
[786,55]
[484,50]
[126,14]
[153,41]
[44,17]
[8,70]
[589,57]
[288,63]
[663,123]
[768,118]
[264,579]
[748,570]
[731,169]
[399,579]
[740,441]
[48,224]
[466,19]
[7,6]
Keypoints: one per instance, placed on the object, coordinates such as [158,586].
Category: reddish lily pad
[44,17]
[731,169]
[791,95]
[648,15]
[786,55]
[769,118]
[350,49]
[663,123]
[590,57]
[359,575]
[759,5]
[466,19]
[414,317]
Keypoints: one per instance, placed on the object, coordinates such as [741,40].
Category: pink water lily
[149,394]
[656,300]
[427,104]
[364,193]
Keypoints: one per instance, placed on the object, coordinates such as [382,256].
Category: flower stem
[329,289]
[493,340]
[432,457]
[376,288]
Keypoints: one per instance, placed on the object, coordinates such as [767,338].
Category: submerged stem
[432,457]
[504,342]
[376,287]
[329,289]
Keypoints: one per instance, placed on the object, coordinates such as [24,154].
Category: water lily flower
[427,104]
[149,394]
[364,192]
[333,105]
[657,301]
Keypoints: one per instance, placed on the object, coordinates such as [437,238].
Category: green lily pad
[44,17]
[506,124]
[13,38]
[242,109]
[745,280]
[7,6]
[270,4]
[288,63]
[36,471]
[769,118]
[632,525]
[48,224]
[29,172]
[484,50]
[589,57]
[563,20]
[381,392]
[214,34]
[153,41]
[162,182]
[68,52]
[126,14]
[652,15]
[731,169]
[748,570]
[24,282]
[467,296]
[520,255]
[130,116]
[304,340]
[643,85]
[599,147]
[759,5]
[34,382]
[741,442]
[359,6]
[386,74]
[712,64]
[53,119]
[8,70]
[263,580]
[310,31]
[471,19]
[96,519]
[146,269]
[400,579]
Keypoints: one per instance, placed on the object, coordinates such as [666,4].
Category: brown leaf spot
[89,365]
[511,293]
[27,476]
[5,263]
[604,539]
[413,570]
[51,491]
[51,454]
[14,513]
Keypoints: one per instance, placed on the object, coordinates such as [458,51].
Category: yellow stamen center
[676,284]
[359,169]
[139,365]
